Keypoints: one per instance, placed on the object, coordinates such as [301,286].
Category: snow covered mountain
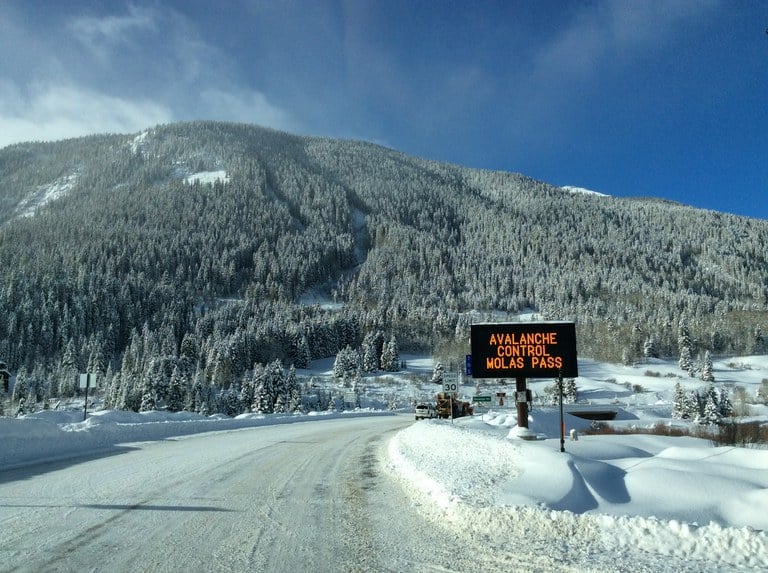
[204,241]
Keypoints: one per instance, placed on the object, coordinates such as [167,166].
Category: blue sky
[626,97]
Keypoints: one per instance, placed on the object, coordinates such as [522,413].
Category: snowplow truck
[450,407]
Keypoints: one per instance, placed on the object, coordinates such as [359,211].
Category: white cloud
[131,69]
[100,35]
[613,33]
[52,111]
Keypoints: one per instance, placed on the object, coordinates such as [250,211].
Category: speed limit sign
[450,383]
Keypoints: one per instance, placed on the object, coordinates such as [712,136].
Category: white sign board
[450,382]
[87,380]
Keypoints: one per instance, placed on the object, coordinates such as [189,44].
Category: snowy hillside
[207,177]
[582,191]
[44,194]
[649,501]
[260,225]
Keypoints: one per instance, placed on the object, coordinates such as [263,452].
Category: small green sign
[481,399]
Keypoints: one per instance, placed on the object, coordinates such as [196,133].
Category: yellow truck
[450,407]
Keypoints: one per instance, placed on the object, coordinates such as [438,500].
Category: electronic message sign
[524,350]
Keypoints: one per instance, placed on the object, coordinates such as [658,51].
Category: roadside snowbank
[629,502]
[50,435]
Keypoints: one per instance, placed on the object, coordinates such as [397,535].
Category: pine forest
[197,265]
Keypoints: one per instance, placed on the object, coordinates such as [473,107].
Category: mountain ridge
[404,245]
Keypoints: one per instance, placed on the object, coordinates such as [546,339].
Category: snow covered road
[377,493]
[278,498]
[312,496]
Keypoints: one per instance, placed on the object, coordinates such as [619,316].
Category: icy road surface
[312,496]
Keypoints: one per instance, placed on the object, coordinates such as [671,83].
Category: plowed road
[310,496]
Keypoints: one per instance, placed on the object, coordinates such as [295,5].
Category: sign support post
[85,382]
[562,421]
[451,387]
[85,406]
[522,405]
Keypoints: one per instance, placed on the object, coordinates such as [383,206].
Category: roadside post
[481,401]
[451,387]
[85,382]
[521,403]
[562,420]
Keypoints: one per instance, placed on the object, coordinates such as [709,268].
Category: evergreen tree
[710,414]
[686,361]
[230,401]
[221,369]
[189,347]
[175,400]
[148,402]
[247,392]
[760,345]
[553,393]
[195,398]
[159,370]
[132,362]
[236,350]
[691,408]
[261,400]
[649,349]
[5,378]
[706,369]
[299,353]
[207,405]
[347,363]
[724,404]
[569,390]
[280,405]
[278,380]
[438,374]
[97,362]
[371,353]
[269,385]
[258,383]
[21,387]
[39,386]
[108,389]
[679,410]
[390,357]
[69,371]
[292,391]
[685,346]
[112,392]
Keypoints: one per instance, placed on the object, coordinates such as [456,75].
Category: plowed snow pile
[609,503]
